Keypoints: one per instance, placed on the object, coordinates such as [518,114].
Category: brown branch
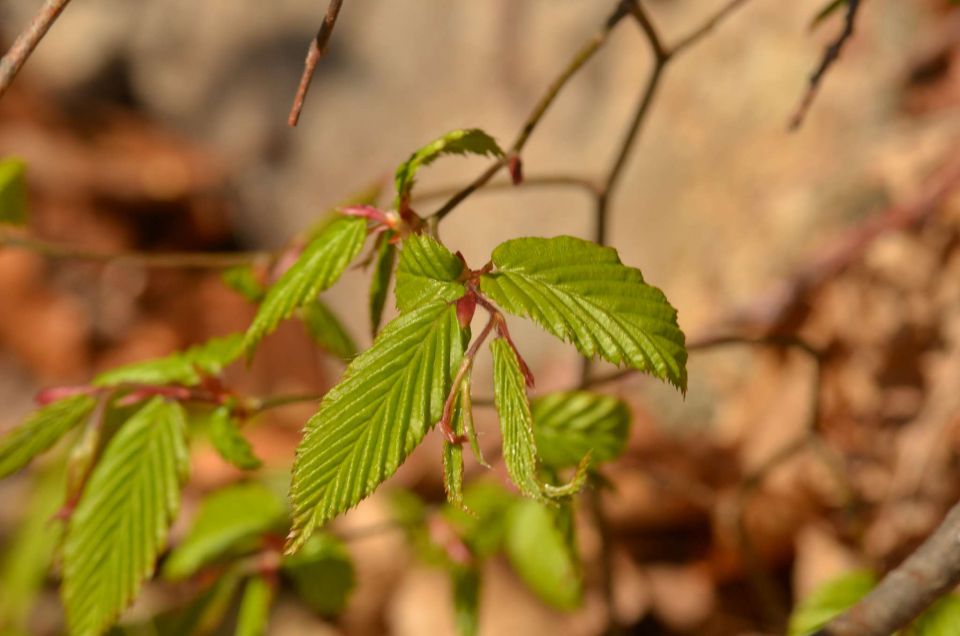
[26,42]
[697,34]
[926,575]
[318,48]
[831,55]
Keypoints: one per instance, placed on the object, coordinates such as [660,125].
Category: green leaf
[255,608]
[540,550]
[319,266]
[28,553]
[385,260]
[41,430]
[581,293]
[942,619]
[327,331]
[185,368]
[227,519]
[427,272]
[458,142]
[516,420]
[453,453]
[229,442]
[828,601]
[390,396]
[244,281]
[13,192]
[322,574]
[466,600]
[570,425]
[122,520]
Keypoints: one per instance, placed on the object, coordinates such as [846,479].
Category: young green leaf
[542,552]
[121,523]
[581,293]
[13,192]
[570,425]
[254,612]
[319,266]
[466,600]
[458,142]
[829,600]
[322,574]
[453,453]
[516,420]
[186,368]
[243,280]
[327,331]
[427,272]
[388,399]
[942,619]
[41,430]
[229,442]
[384,262]
[227,519]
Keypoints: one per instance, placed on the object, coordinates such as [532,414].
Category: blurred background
[161,125]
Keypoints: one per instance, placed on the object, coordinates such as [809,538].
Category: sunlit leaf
[322,574]
[581,293]
[828,601]
[41,430]
[13,192]
[540,550]
[453,453]
[570,425]
[516,420]
[390,396]
[243,280]
[327,331]
[121,523]
[457,142]
[228,518]
[941,619]
[183,367]
[230,442]
[427,272]
[318,267]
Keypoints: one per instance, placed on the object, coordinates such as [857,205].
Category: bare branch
[26,42]
[829,57]
[708,26]
[927,574]
[318,47]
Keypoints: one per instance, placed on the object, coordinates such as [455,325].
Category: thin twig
[830,55]
[708,26]
[318,47]
[925,576]
[26,42]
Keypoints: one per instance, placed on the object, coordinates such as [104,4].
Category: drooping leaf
[581,293]
[427,272]
[516,420]
[384,263]
[327,331]
[227,519]
[466,600]
[230,442]
[570,425]
[122,520]
[459,142]
[41,430]
[244,281]
[185,368]
[319,266]
[453,453]
[829,600]
[254,612]
[13,192]
[941,619]
[322,573]
[541,552]
[28,553]
[388,399]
